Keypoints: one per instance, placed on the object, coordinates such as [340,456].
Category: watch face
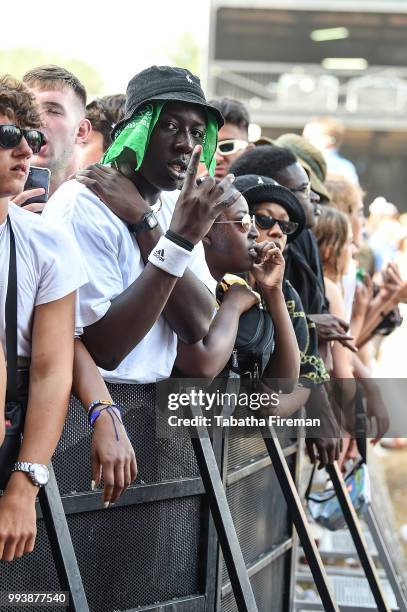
[40,473]
[151,221]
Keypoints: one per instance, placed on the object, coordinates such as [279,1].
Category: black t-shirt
[304,271]
[312,367]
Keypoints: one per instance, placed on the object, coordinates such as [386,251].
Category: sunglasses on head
[264,222]
[11,136]
[228,147]
[246,222]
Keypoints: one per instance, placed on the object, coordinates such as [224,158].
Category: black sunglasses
[265,223]
[11,136]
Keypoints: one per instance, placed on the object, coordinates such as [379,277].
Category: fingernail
[232,177]
[92,485]
[106,504]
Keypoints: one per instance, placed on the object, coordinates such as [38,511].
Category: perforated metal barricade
[157,545]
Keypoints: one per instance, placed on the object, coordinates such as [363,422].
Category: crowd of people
[164,226]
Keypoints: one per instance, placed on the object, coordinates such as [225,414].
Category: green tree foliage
[18,61]
[186,53]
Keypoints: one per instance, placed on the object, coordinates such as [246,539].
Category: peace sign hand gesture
[200,202]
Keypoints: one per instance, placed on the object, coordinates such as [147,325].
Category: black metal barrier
[158,548]
[358,537]
[262,521]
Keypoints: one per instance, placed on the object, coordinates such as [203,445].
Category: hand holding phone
[36,189]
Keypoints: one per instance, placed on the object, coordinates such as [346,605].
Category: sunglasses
[246,222]
[265,223]
[228,147]
[11,136]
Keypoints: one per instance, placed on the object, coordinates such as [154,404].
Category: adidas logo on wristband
[159,254]
[170,257]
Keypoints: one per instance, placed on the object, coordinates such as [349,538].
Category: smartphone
[37,177]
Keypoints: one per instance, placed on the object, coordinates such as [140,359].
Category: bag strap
[309,486]
[11,321]
[360,424]
[346,477]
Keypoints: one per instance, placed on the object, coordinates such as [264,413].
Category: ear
[84,129]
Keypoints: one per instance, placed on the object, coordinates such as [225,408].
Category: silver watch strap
[22,466]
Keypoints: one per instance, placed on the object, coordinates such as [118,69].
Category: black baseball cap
[164,83]
[256,189]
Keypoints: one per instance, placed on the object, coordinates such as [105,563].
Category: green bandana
[136,134]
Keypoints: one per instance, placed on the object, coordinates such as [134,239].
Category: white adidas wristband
[170,257]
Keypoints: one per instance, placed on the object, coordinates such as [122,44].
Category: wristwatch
[38,472]
[148,222]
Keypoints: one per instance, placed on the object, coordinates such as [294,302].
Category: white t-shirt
[349,288]
[49,267]
[113,262]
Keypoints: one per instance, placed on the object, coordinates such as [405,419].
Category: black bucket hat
[256,189]
[164,83]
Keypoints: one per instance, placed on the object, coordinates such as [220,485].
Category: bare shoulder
[334,295]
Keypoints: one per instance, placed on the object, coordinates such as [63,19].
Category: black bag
[254,343]
[16,397]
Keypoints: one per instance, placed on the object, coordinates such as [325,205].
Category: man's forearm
[190,307]
[88,384]
[129,318]
[288,403]
[208,357]
[46,412]
[3,382]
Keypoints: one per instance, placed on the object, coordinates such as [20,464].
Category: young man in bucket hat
[145,290]
[166,118]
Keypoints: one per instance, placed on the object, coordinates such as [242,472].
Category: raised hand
[200,202]
[269,267]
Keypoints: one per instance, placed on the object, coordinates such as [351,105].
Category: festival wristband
[111,408]
[170,257]
[98,403]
